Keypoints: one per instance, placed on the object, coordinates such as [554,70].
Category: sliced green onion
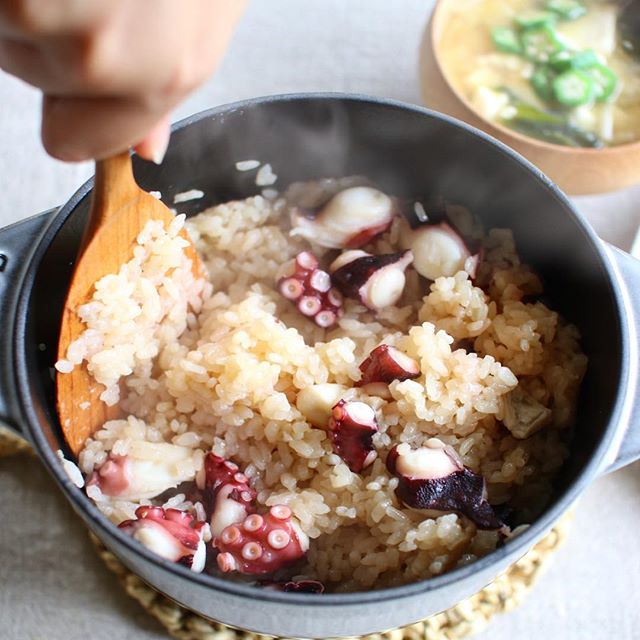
[585,59]
[605,81]
[574,88]
[506,40]
[542,82]
[536,19]
[561,60]
[540,44]
[565,60]
[567,9]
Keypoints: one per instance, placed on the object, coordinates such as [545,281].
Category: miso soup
[564,71]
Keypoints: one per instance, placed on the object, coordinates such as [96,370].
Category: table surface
[51,583]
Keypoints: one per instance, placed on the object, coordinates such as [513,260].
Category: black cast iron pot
[408,151]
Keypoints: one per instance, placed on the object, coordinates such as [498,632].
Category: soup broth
[568,79]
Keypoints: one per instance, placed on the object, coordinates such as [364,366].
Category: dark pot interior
[407,152]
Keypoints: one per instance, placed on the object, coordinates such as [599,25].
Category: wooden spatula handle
[120,210]
[114,186]
[114,183]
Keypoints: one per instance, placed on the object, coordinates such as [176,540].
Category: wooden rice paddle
[119,211]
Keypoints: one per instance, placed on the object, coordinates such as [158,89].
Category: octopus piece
[227,496]
[433,478]
[377,389]
[439,250]
[262,543]
[352,427]
[295,586]
[113,476]
[316,402]
[171,533]
[147,471]
[350,219]
[386,364]
[312,195]
[376,281]
[310,289]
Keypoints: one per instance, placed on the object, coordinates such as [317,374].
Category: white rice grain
[72,470]
[247,165]
[186,196]
[265,176]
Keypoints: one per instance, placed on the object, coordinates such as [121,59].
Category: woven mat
[11,445]
[468,617]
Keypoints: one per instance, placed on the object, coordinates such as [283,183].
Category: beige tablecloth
[51,584]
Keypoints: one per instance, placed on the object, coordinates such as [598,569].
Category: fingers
[75,129]
[39,62]
[25,61]
[124,55]
[89,66]
[19,58]
[111,71]
[42,17]
[155,144]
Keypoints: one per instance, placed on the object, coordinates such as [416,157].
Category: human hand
[111,71]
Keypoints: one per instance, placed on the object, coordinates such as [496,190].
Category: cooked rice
[265,176]
[187,196]
[217,366]
[247,165]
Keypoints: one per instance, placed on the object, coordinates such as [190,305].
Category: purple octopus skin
[295,586]
[228,498]
[310,289]
[352,427]
[113,477]
[262,544]
[386,364]
[445,485]
[376,281]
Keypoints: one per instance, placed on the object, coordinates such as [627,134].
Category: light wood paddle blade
[119,211]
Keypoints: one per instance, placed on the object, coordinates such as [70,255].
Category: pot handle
[628,447]
[17,243]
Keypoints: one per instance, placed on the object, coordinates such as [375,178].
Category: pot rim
[517,546]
